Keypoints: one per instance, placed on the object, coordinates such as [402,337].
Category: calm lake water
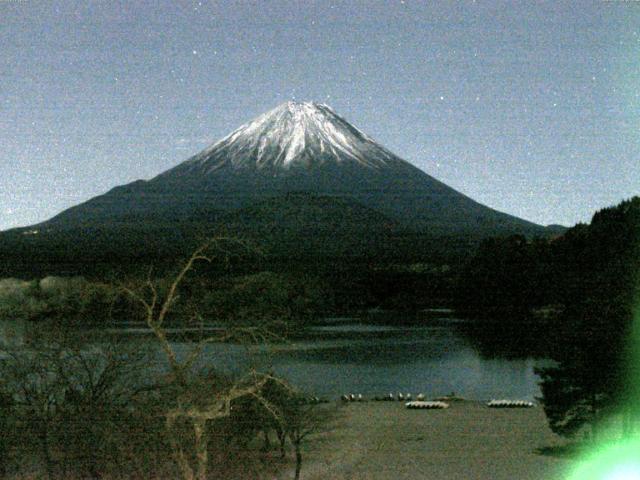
[375,360]
[352,357]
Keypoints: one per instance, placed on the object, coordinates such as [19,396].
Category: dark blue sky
[532,108]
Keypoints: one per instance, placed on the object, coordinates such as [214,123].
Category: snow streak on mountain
[292,135]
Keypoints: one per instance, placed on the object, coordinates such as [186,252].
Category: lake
[348,356]
[378,359]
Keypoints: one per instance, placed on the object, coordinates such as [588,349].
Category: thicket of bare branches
[72,406]
[69,409]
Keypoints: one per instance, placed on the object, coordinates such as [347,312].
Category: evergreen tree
[594,341]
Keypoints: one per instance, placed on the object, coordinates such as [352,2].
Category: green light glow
[620,461]
[624,472]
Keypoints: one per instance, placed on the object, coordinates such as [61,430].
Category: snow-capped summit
[292,134]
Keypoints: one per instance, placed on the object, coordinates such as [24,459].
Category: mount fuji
[298,148]
[299,173]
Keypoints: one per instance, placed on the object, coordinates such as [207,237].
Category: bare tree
[302,421]
[6,416]
[189,404]
[72,400]
[36,392]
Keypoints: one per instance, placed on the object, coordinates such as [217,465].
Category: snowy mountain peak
[292,134]
[244,182]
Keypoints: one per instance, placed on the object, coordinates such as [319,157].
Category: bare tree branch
[218,405]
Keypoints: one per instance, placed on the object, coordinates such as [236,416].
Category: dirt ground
[468,441]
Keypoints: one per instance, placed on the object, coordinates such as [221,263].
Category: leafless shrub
[72,404]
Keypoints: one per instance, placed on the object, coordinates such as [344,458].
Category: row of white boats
[491,404]
[401,397]
[420,401]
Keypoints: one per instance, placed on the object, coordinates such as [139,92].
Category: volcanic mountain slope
[299,148]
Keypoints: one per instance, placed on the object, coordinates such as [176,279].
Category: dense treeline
[289,301]
[507,279]
[581,288]
[232,300]
[595,339]
[292,298]
[510,275]
[75,300]
[515,274]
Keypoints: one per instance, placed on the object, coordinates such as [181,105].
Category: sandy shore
[384,440]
